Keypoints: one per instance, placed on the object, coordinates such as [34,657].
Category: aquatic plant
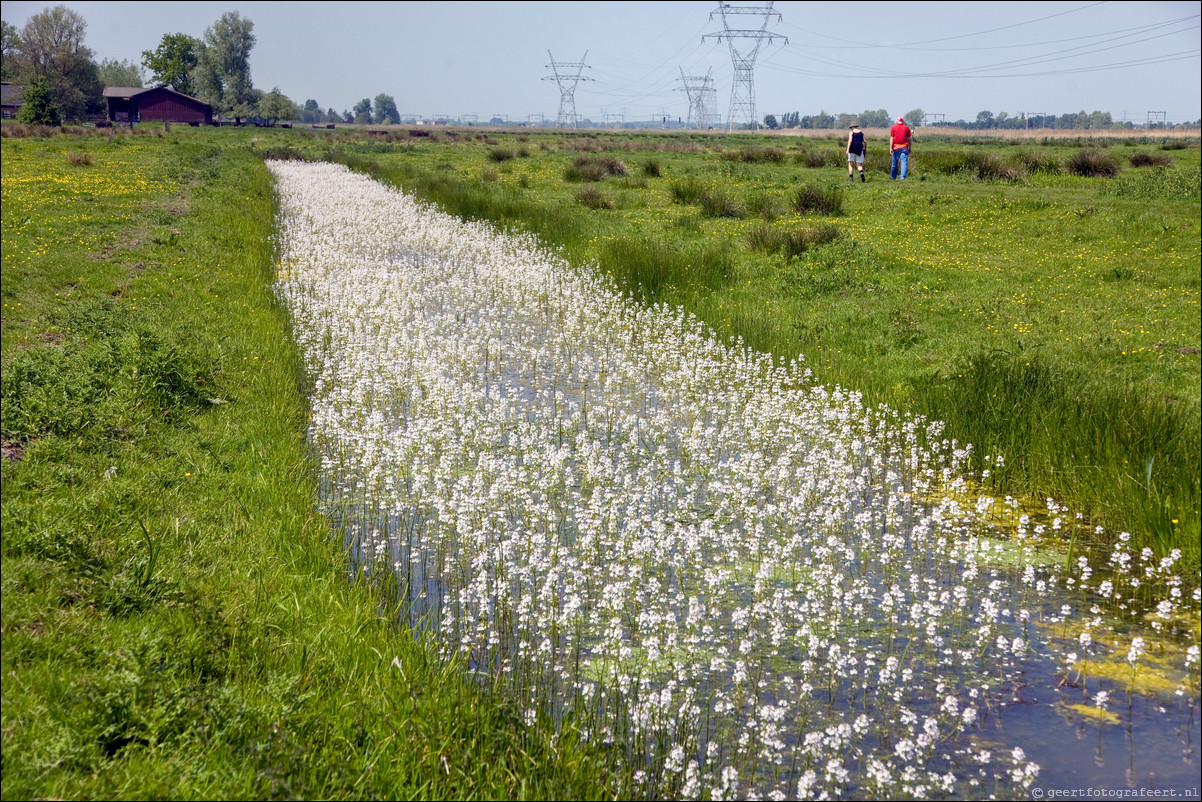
[745,581]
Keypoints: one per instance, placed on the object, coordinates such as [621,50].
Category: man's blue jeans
[901,163]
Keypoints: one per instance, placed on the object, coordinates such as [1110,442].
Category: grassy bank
[1039,295]
[177,621]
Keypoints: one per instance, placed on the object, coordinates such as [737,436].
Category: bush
[756,155]
[1161,182]
[592,167]
[822,158]
[79,159]
[282,153]
[1142,159]
[38,108]
[820,200]
[687,190]
[1092,164]
[717,203]
[791,241]
[990,167]
[500,154]
[765,206]
[651,168]
[1038,162]
[593,198]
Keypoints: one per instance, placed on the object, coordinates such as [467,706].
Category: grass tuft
[826,200]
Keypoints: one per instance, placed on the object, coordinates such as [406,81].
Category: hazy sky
[491,58]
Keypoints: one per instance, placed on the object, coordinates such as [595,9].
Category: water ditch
[749,582]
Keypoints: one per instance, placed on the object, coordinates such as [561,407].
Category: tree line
[879,118]
[63,80]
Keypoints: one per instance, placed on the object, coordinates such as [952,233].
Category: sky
[494,59]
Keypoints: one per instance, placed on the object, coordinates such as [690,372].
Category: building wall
[166,107]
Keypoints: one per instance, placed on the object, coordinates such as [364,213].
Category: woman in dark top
[856,150]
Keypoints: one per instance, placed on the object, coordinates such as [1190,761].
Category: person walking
[857,149]
[900,137]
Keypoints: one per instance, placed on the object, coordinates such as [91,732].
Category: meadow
[176,620]
[1040,296]
[634,493]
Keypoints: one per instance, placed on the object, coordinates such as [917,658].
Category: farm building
[12,97]
[131,104]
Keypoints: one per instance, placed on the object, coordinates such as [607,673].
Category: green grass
[1038,295]
[177,620]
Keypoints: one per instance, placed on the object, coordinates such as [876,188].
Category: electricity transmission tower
[745,44]
[561,75]
[702,97]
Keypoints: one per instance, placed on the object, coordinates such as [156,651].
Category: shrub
[500,154]
[1091,164]
[1161,182]
[717,203]
[38,108]
[1142,159]
[821,200]
[79,159]
[593,198]
[651,168]
[765,206]
[1034,161]
[687,190]
[791,241]
[592,167]
[282,153]
[989,167]
[756,155]
[822,158]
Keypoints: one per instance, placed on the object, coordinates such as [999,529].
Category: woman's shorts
[852,157]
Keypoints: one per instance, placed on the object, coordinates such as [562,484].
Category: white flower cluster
[751,582]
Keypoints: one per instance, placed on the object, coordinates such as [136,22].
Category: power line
[743,55]
[567,86]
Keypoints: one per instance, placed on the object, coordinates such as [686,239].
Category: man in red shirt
[899,147]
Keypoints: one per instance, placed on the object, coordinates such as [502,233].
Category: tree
[333,116]
[275,106]
[52,49]
[39,108]
[386,111]
[915,117]
[222,73]
[770,122]
[119,73]
[984,119]
[311,112]
[173,61]
[844,121]
[362,112]
[10,48]
[875,118]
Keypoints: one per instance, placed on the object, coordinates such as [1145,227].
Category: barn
[130,104]
[11,99]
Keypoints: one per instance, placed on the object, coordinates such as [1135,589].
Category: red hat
[900,120]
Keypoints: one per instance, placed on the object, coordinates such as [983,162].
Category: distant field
[1039,293]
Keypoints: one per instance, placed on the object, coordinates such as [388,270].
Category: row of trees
[879,118]
[63,79]
[869,118]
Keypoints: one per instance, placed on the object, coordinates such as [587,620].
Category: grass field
[177,621]
[1040,295]
[176,618]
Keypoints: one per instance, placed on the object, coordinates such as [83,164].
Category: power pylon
[567,85]
[702,94]
[745,44]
